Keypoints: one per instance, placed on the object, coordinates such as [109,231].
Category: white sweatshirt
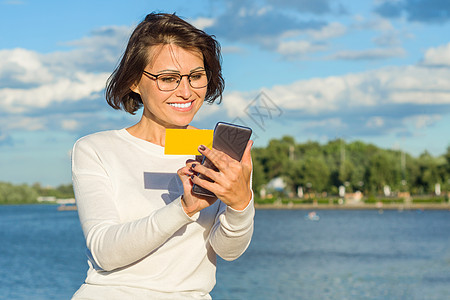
[141,244]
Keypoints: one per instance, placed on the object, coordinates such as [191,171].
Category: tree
[316,172]
[363,166]
[276,157]
[259,177]
[13,194]
[382,170]
[429,172]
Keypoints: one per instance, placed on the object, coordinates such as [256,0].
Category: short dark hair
[161,29]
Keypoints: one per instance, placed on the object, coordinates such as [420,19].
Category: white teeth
[181,105]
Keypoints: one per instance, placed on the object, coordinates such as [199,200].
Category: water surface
[345,255]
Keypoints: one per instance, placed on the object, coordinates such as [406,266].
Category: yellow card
[186,141]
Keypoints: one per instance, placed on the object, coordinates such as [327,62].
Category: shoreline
[311,206]
[394,206]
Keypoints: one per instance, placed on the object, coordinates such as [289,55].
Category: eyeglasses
[170,81]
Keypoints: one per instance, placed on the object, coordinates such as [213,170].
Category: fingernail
[202,148]
[192,176]
[193,165]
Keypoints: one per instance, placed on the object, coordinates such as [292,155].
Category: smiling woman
[147,235]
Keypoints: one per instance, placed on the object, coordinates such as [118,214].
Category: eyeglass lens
[169,82]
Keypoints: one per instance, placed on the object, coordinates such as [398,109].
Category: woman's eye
[168,78]
[197,76]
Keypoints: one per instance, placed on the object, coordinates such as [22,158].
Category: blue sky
[376,71]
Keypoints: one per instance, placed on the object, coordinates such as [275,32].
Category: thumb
[247,156]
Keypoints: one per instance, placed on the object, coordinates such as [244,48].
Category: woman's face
[177,108]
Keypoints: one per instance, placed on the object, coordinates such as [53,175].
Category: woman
[148,236]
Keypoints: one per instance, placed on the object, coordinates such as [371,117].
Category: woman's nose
[184,90]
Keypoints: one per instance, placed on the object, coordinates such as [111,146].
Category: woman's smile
[182,106]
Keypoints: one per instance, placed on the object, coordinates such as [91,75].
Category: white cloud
[232,49]
[80,86]
[377,23]
[327,123]
[236,102]
[391,86]
[298,48]
[419,85]
[389,36]
[314,95]
[332,30]
[23,123]
[329,31]
[438,56]
[422,121]
[42,80]
[370,54]
[98,52]
[387,40]
[30,80]
[207,110]
[202,23]
[375,122]
[70,124]
[394,100]
[254,11]
[296,44]
[21,66]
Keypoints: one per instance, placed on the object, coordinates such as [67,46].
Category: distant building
[55,200]
[353,198]
[66,201]
[46,199]
[277,184]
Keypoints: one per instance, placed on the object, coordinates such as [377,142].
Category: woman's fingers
[221,160]
[183,171]
[188,166]
[185,174]
[212,186]
[230,179]
[210,173]
[231,182]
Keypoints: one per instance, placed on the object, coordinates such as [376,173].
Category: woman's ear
[135,88]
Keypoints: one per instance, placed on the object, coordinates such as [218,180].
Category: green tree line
[314,167]
[23,193]
[356,165]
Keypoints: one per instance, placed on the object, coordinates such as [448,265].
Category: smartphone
[229,138]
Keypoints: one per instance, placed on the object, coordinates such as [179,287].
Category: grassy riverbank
[394,206]
[24,194]
[413,203]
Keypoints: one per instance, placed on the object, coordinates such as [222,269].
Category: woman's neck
[151,131]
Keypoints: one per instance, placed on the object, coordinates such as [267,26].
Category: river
[347,254]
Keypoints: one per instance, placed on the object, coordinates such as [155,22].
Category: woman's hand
[232,180]
[191,202]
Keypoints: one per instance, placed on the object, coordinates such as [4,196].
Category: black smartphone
[230,139]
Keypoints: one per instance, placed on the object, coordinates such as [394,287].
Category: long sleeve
[112,243]
[232,231]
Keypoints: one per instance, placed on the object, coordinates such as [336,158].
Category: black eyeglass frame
[208,76]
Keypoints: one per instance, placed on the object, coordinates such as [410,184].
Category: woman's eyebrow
[176,71]
[168,70]
[198,68]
